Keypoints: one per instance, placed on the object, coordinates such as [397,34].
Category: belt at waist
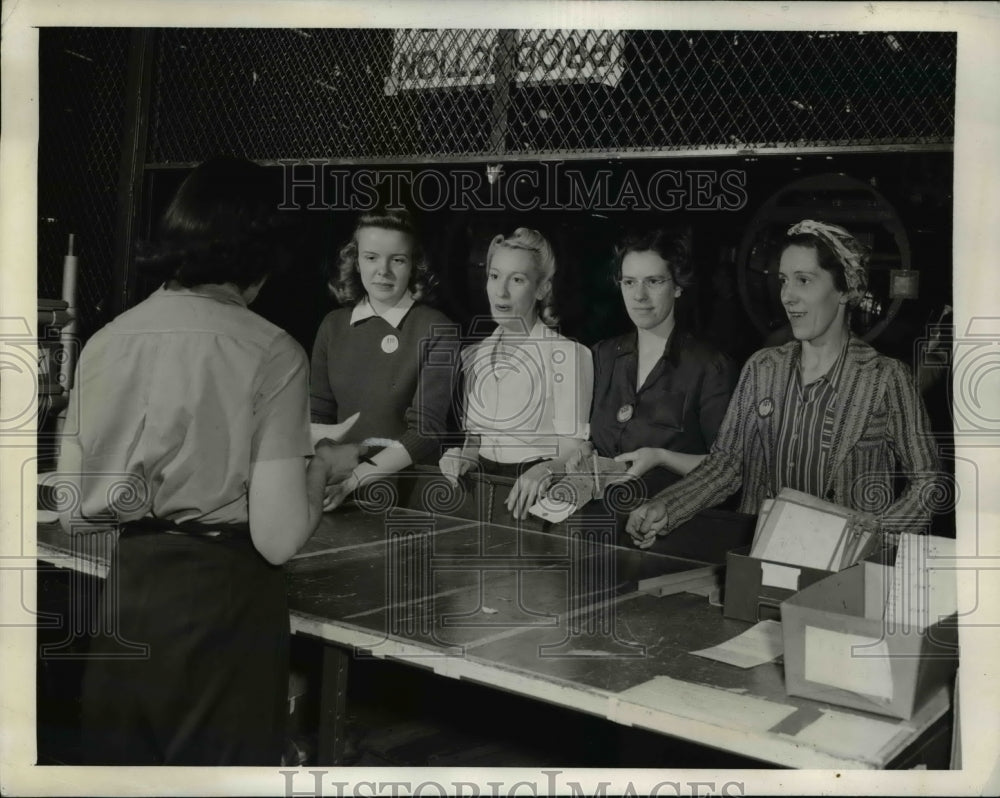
[148,526]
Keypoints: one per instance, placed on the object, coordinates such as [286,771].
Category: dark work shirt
[680,405]
[805,434]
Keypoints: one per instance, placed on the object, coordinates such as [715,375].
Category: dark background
[125,114]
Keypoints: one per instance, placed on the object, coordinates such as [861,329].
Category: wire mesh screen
[82,78]
[384,95]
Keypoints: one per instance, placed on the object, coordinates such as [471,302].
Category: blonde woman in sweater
[373,356]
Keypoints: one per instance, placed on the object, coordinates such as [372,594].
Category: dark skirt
[211,616]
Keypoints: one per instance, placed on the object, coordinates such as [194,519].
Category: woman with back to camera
[824,414]
[527,388]
[386,354]
[659,393]
[193,437]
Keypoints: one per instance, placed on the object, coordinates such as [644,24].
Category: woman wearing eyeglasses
[659,393]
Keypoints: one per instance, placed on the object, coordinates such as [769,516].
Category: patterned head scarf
[851,253]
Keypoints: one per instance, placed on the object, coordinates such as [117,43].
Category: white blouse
[523,393]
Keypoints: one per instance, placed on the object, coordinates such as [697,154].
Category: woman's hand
[530,487]
[646,522]
[580,459]
[337,491]
[340,458]
[642,460]
[456,462]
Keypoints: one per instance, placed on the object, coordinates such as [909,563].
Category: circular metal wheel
[838,199]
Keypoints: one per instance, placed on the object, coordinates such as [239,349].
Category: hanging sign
[437,59]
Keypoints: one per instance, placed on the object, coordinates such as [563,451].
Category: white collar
[540,331]
[394,315]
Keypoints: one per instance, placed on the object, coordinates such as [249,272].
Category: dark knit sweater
[402,395]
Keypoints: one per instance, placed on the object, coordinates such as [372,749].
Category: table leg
[333,706]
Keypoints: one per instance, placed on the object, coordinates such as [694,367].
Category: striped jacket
[881,432]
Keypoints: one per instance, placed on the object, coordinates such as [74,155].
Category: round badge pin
[624,413]
[390,344]
[765,408]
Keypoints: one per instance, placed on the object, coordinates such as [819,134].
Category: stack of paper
[553,510]
[923,589]
[799,529]
[576,489]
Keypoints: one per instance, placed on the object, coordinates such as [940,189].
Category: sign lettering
[437,59]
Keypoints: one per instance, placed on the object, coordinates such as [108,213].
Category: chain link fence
[404,96]
[410,95]
[82,78]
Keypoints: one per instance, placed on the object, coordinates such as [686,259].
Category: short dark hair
[670,245]
[222,226]
[346,284]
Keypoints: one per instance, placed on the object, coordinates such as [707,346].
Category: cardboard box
[811,539]
[755,588]
[839,648]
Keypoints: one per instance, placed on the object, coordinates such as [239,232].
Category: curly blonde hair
[524,238]
[346,284]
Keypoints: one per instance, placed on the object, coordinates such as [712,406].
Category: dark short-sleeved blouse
[679,406]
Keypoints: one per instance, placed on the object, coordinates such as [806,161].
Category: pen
[597,484]
[385,443]
[362,458]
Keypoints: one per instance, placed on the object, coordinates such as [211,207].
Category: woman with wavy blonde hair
[824,414]
[374,355]
[527,388]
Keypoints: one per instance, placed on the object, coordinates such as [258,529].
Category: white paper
[757,645]
[801,536]
[335,432]
[775,575]
[553,510]
[943,597]
[702,702]
[923,589]
[856,663]
[849,735]
[765,510]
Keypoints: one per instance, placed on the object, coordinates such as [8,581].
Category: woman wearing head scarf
[824,414]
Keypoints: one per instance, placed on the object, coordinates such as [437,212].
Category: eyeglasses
[651,284]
